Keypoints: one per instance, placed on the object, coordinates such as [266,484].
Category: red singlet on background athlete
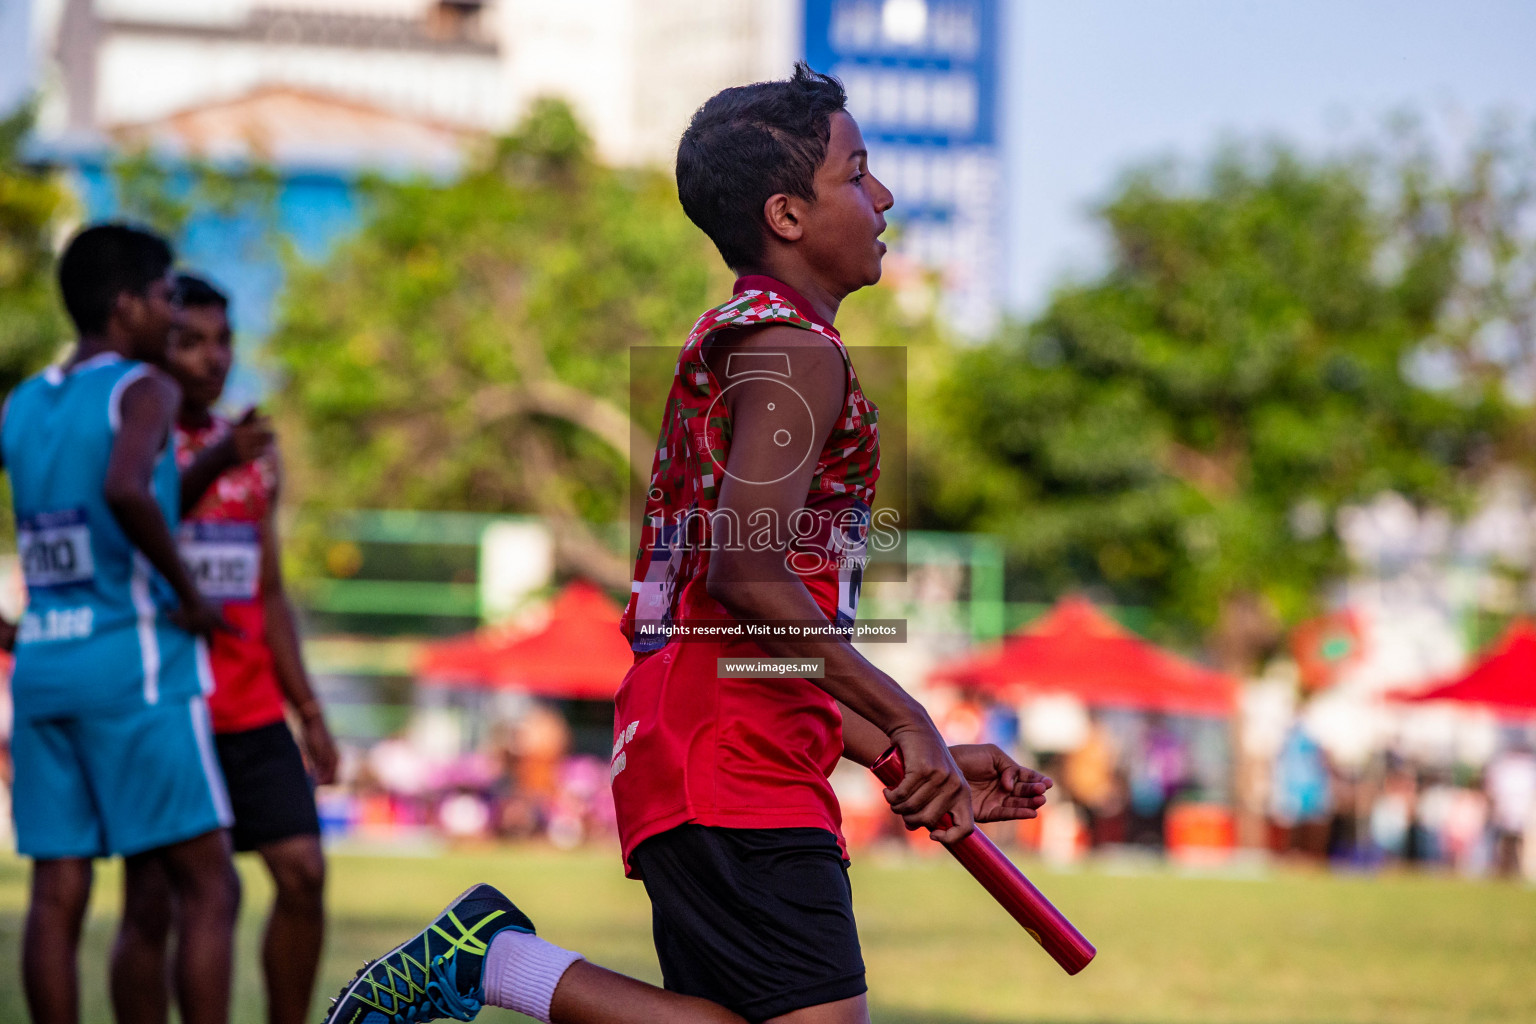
[229,541]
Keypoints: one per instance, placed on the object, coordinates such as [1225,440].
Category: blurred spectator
[541,740]
[1466,829]
[464,815]
[583,804]
[1000,725]
[516,815]
[1301,796]
[1061,832]
[1511,784]
[963,722]
[1436,798]
[1091,781]
[399,767]
[1346,841]
[1392,814]
[1158,771]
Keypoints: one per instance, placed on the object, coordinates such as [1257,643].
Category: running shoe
[436,974]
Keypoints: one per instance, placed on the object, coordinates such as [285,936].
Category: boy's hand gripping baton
[1007,884]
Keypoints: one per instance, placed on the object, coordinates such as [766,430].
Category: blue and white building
[923,79]
[323,90]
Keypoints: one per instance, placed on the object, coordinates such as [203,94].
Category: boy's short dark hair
[751,142]
[103,261]
[193,292]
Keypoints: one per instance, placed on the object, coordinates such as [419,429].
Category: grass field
[1285,948]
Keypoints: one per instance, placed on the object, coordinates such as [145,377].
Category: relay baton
[1007,884]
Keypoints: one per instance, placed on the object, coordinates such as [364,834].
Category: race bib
[656,600]
[851,545]
[55,549]
[224,559]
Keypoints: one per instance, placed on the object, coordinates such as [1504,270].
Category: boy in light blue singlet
[112,747]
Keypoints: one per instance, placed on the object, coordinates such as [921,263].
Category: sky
[1096,86]
[15,66]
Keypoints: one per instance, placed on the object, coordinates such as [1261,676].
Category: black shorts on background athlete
[269,790]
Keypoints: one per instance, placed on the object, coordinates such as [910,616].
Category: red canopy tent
[1505,679]
[577,653]
[1078,650]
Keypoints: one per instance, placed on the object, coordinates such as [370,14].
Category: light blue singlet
[95,637]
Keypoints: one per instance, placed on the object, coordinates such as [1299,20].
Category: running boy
[113,750]
[721,785]
[230,544]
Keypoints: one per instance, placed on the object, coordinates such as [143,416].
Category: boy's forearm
[868,692]
[863,742]
[282,638]
[208,465]
[146,414]
[849,677]
[138,513]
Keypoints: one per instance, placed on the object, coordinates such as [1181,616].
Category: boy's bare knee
[298,871]
[205,879]
[61,886]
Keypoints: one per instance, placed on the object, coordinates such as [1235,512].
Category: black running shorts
[269,790]
[757,920]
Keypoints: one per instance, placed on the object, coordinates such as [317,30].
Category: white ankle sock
[521,972]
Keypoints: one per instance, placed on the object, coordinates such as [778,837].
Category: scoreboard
[923,81]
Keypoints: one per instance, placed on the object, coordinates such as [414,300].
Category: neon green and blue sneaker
[435,974]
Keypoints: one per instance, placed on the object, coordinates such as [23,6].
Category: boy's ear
[785,216]
[124,307]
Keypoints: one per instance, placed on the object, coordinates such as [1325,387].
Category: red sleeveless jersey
[690,747]
[220,540]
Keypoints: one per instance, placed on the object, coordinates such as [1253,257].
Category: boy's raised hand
[250,437]
[320,750]
[1001,788]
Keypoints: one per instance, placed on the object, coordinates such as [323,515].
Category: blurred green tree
[1475,225]
[468,348]
[1182,431]
[33,205]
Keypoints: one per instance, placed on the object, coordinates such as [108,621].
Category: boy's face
[148,319]
[200,354]
[842,227]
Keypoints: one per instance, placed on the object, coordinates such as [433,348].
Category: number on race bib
[55,549]
[224,559]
